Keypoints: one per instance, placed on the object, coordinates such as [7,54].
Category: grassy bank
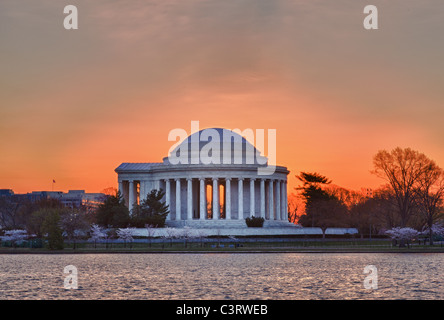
[252,245]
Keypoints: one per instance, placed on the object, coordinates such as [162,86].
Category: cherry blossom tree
[73,224]
[402,234]
[170,234]
[14,236]
[201,234]
[97,233]
[151,231]
[436,229]
[187,234]
[125,234]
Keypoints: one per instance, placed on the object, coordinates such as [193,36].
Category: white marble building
[219,194]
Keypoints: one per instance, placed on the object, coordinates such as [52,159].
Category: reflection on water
[222,276]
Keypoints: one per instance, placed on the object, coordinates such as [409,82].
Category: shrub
[254,222]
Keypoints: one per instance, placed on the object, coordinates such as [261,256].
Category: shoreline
[264,246]
[265,251]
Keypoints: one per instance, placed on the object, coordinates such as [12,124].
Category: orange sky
[75,104]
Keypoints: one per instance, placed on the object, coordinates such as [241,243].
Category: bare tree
[9,212]
[429,195]
[349,197]
[295,206]
[329,213]
[403,169]
[360,216]
[110,191]
[74,225]
[385,212]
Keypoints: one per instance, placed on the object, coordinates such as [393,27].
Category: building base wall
[240,231]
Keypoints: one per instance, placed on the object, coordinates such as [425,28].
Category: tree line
[412,197]
[49,219]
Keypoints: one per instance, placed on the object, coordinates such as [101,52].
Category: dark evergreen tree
[113,212]
[322,209]
[151,211]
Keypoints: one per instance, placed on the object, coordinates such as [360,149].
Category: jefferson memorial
[213,179]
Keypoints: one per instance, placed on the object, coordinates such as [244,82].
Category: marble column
[168,197]
[286,201]
[278,200]
[142,192]
[252,197]
[285,209]
[157,184]
[228,199]
[240,189]
[178,203]
[203,200]
[282,200]
[270,201]
[125,192]
[263,198]
[121,189]
[131,195]
[216,209]
[189,199]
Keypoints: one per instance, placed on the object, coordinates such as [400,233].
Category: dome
[216,146]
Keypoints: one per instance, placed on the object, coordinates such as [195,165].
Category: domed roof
[215,146]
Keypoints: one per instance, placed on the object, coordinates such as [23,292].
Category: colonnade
[203,198]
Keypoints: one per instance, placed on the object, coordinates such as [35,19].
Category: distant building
[6,192]
[9,193]
[72,199]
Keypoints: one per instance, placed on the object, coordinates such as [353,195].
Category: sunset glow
[75,104]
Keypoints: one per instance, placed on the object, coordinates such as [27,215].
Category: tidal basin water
[248,276]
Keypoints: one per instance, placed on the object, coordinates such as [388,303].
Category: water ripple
[222,276]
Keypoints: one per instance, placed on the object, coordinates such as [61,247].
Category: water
[282,276]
